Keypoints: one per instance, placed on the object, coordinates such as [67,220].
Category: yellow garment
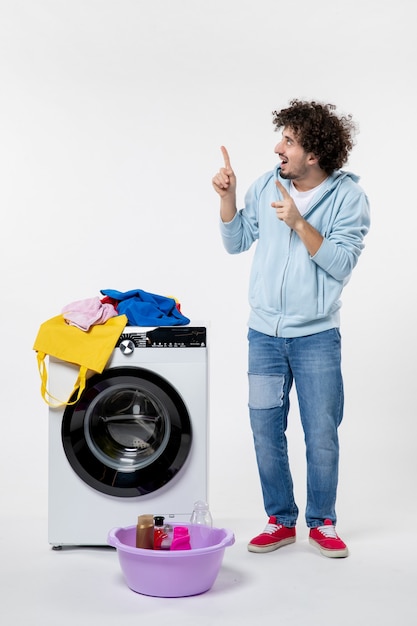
[89,349]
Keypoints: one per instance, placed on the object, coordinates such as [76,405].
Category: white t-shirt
[303,199]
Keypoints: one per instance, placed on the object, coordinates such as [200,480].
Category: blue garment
[291,293]
[313,362]
[147,309]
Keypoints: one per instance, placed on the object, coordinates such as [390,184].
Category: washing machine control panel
[162,337]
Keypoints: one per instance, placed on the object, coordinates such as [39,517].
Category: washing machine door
[129,434]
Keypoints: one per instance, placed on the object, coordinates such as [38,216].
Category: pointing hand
[224,182]
[286,209]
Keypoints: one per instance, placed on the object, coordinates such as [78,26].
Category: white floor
[294,586]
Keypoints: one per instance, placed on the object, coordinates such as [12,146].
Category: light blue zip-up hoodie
[291,293]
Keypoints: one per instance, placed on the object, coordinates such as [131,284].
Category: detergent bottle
[162,536]
[181,538]
[144,532]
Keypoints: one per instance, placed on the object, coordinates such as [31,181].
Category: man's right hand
[224,182]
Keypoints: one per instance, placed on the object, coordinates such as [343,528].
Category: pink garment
[85,313]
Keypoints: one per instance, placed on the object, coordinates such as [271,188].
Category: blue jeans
[313,363]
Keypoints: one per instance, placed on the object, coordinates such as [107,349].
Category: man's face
[294,159]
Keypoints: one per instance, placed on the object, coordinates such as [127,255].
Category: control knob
[127,346]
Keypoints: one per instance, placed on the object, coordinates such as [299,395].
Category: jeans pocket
[265,391]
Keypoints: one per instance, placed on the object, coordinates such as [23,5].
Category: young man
[309,219]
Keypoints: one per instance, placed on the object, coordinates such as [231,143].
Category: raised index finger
[282,189]
[226,158]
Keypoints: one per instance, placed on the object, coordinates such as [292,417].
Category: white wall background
[111,117]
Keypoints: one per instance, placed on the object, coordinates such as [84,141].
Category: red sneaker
[327,541]
[273,537]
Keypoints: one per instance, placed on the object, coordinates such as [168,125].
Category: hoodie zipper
[280,319]
[283,282]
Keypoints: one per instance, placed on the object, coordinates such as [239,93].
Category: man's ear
[312,158]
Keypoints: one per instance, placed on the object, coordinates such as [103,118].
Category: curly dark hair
[319,130]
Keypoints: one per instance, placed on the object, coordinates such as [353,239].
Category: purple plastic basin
[176,573]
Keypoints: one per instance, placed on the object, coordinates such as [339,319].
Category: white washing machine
[135,442]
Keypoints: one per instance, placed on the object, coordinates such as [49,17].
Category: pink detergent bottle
[181,538]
